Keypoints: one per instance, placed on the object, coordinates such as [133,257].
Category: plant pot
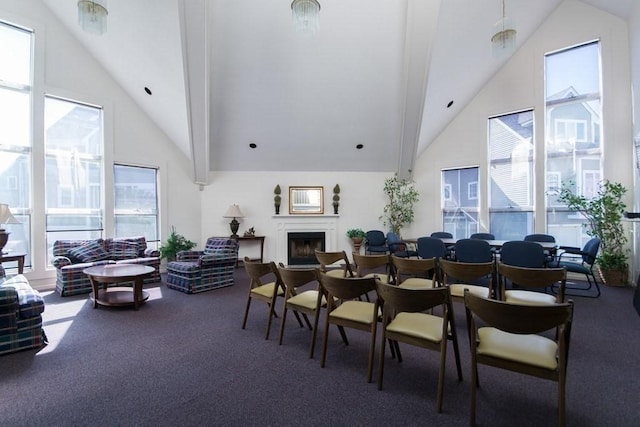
[614,277]
[357,243]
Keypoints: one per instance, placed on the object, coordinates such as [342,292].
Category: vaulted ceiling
[228,74]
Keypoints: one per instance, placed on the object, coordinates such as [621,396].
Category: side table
[260,239]
[14,257]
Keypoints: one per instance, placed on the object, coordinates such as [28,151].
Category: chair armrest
[190,256]
[61,261]
[150,252]
[212,259]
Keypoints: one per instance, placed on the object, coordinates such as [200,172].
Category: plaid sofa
[21,307]
[199,271]
[70,257]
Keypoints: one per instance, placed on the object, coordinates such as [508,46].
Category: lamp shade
[6,217]
[233,212]
[92,16]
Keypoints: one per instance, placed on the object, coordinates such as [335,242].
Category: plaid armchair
[21,307]
[199,271]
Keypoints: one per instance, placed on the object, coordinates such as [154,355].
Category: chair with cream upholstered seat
[373,266]
[519,338]
[535,281]
[345,311]
[478,277]
[405,319]
[264,285]
[415,273]
[327,259]
[302,295]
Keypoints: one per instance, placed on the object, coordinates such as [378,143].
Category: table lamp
[5,218]
[234,212]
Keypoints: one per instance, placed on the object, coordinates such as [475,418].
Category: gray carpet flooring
[184,360]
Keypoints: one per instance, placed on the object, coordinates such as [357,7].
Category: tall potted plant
[604,212]
[398,211]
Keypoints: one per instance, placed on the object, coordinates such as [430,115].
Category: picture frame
[306,200]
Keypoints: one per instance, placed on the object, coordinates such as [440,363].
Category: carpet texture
[184,360]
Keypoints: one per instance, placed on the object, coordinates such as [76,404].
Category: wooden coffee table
[118,273]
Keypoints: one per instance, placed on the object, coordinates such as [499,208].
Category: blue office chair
[473,250]
[431,247]
[375,243]
[442,235]
[398,247]
[483,236]
[550,254]
[522,254]
[589,254]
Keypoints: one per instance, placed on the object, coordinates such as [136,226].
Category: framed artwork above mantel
[306,200]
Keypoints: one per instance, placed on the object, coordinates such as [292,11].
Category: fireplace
[302,245]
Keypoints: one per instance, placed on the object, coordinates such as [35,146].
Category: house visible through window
[460,201]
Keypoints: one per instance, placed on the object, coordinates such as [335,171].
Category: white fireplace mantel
[304,223]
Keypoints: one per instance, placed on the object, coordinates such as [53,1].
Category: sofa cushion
[123,249]
[30,302]
[89,252]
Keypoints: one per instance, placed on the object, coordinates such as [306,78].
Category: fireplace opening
[302,246]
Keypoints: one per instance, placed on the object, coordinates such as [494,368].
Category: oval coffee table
[118,273]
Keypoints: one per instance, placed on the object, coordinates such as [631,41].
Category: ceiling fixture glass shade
[92,16]
[504,38]
[305,15]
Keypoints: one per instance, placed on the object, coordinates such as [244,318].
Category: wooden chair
[459,276]
[507,336]
[265,285]
[405,320]
[345,311]
[414,273]
[373,266]
[302,295]
[531,278]
[328,258]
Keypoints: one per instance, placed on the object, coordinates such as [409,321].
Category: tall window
[573,135]
[16,64]
[73,170]
[511,176]
[136,202]
[460,201]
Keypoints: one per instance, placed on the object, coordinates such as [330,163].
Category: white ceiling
[306,101]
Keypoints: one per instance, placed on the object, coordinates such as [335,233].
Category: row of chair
[405,303]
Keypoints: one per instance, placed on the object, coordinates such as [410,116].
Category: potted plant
[357,235]
[604,212]
[402,196]
[174,244]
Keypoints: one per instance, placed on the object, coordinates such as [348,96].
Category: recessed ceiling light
[146,89]
[359,146]
[253,145]
[450,104]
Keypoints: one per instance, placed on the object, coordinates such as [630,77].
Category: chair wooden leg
[325,339]
[343,334]
[443,359]
[381,357]
[272,314]
[314,335]
[246,313]
[372,349]
[282,323]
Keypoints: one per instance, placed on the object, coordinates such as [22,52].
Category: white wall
[361,202]
[520,85]
[64,68]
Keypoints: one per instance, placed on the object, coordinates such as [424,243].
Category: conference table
[549,246]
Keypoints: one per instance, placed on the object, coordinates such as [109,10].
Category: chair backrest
[258,271]
[535,278]
[483,236]
[221,246]
[473,250]
[521,318]
[413,267]
[412,300]
[591,250]
[375,238]
[328,258]
[442,235]
[539,238]
[522,254]
[431,247]
[465,271]
[296,278]
[395,243]
[370,263]
[345,288]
